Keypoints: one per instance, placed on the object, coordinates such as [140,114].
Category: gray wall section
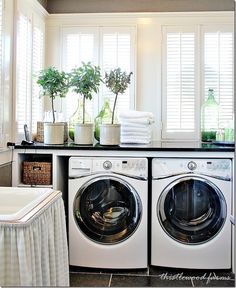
[43,3]
[99,6]
[5,175]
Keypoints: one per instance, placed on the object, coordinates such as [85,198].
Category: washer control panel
[136,167]
[164,167]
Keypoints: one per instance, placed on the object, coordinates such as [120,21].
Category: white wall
[148,41]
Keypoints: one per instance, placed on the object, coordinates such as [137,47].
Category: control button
[107,165]
[192,165]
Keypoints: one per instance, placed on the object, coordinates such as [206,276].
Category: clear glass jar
[229,131]
[103,117]
[209,118]
[77,117]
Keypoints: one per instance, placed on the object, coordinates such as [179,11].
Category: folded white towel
[136,114]
[135,129]
[136,121]
[134,139]
[134,125]
[136,134]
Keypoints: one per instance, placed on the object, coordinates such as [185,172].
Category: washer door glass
[107,209]
[191,210]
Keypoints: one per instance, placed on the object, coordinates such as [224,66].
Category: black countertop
[153,146]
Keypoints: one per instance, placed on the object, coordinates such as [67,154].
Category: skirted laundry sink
[33,241]
[17,202]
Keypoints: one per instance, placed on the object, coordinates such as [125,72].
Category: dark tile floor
[151,277]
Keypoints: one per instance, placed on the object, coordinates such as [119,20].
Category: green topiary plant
[117,81]
[85,80]
[53,84]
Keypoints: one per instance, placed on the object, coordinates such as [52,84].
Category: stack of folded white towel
[136,126]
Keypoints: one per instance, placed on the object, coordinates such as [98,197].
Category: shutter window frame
[222,78]
[27,66]
[181,67]
[223,91]
[96,103]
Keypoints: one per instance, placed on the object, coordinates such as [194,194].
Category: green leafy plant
[117,81]
[85,80]
[53,84]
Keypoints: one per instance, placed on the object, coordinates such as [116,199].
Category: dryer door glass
[107,209]
[191,210]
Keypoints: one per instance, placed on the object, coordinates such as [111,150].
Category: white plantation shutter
[37,65]
[78,46]
[108,47]
[194,60]
[179,87]
[218,70]
[118,51]
[23,73]
[1,69]
[29,60]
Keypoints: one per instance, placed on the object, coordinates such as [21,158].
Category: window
[1,69]
[195,59]
[29,60]
[108,47]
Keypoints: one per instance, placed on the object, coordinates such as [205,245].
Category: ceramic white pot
[54,133]
[110,134]
[83,134]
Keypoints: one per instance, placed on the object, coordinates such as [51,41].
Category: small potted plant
[117,81]
[85,80]
[53,84]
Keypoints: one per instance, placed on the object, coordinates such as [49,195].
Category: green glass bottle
[77,117]
[104,117]
[209,118]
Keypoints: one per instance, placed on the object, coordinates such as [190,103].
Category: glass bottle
[77,117]
[209,118]
[103,117]
[229,131]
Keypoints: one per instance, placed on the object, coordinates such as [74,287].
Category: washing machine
[108,212]
[191,213]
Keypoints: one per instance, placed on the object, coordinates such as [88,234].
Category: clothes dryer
[108,212]
[191,213]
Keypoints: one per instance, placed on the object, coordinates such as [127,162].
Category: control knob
[192,165]
[107,165]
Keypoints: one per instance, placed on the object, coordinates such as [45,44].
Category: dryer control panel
[134,167]
[164,167]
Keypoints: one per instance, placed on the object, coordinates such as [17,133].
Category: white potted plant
[85,80]
[117,81]
[53,84]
